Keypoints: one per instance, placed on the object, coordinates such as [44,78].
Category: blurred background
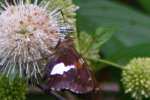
[131,39]
[131,21]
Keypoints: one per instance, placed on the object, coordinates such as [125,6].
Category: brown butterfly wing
[78,79]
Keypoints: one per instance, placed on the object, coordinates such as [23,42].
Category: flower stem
[107,62]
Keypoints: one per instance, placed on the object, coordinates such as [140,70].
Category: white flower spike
[29,33]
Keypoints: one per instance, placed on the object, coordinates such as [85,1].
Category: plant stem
[107,62]
[59,97]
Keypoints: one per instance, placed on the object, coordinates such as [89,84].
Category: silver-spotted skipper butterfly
[67,70]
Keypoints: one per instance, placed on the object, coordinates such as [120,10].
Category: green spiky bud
[136,78]
[12,89]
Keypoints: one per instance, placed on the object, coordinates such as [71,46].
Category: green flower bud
[136,78]
[12,89]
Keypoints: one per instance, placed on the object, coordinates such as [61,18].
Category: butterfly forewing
[68,71]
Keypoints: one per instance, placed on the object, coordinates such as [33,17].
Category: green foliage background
[132,36]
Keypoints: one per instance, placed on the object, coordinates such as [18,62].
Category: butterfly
[67,70]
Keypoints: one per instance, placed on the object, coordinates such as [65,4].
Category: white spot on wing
[61,68]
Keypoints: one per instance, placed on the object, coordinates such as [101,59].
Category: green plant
[12,89]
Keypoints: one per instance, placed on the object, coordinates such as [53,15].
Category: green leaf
[126,54]
[133,26]
[145,4]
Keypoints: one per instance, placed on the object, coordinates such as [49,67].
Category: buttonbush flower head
[29,33]
[136,78]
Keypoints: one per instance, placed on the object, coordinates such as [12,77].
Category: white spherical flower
[29,33]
